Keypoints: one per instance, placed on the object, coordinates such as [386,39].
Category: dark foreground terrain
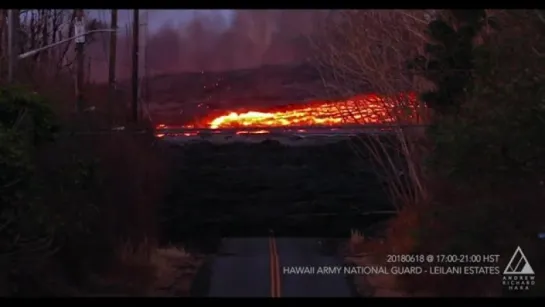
[247,190]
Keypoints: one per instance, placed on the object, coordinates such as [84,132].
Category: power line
[135,63]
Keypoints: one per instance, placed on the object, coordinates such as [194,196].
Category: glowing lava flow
[368,109]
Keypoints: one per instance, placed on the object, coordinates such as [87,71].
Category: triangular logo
[518,265]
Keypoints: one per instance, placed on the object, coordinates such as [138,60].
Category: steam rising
[210,43]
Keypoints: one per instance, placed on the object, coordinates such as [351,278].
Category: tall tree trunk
[3,37]
[45,35]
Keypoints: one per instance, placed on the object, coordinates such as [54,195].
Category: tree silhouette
[448,61]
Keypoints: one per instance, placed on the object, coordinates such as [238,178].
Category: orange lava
[365,109]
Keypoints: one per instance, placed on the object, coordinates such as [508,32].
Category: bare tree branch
[368,52]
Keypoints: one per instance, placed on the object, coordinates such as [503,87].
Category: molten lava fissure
[359,110]
[366,109]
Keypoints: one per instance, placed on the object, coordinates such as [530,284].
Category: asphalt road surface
[264,267]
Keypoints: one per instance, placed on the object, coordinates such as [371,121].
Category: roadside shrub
[72,201]
[26,230]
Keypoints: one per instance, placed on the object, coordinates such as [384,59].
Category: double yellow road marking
[275,268]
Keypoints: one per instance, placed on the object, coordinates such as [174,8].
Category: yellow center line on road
[275,268]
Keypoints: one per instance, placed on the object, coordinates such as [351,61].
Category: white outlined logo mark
[518,265]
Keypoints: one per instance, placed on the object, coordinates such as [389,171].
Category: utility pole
[13,43]
[3,35]
[79,28]
[11,54]
[135,41]
[14,48]
[88,80]
[143,87]
[112,65]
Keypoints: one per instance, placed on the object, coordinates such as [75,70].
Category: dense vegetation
[485,164]
[27,226]
[68,207]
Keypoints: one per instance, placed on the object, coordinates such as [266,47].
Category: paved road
[257,267]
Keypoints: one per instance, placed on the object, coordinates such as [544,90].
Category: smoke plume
[210,43]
